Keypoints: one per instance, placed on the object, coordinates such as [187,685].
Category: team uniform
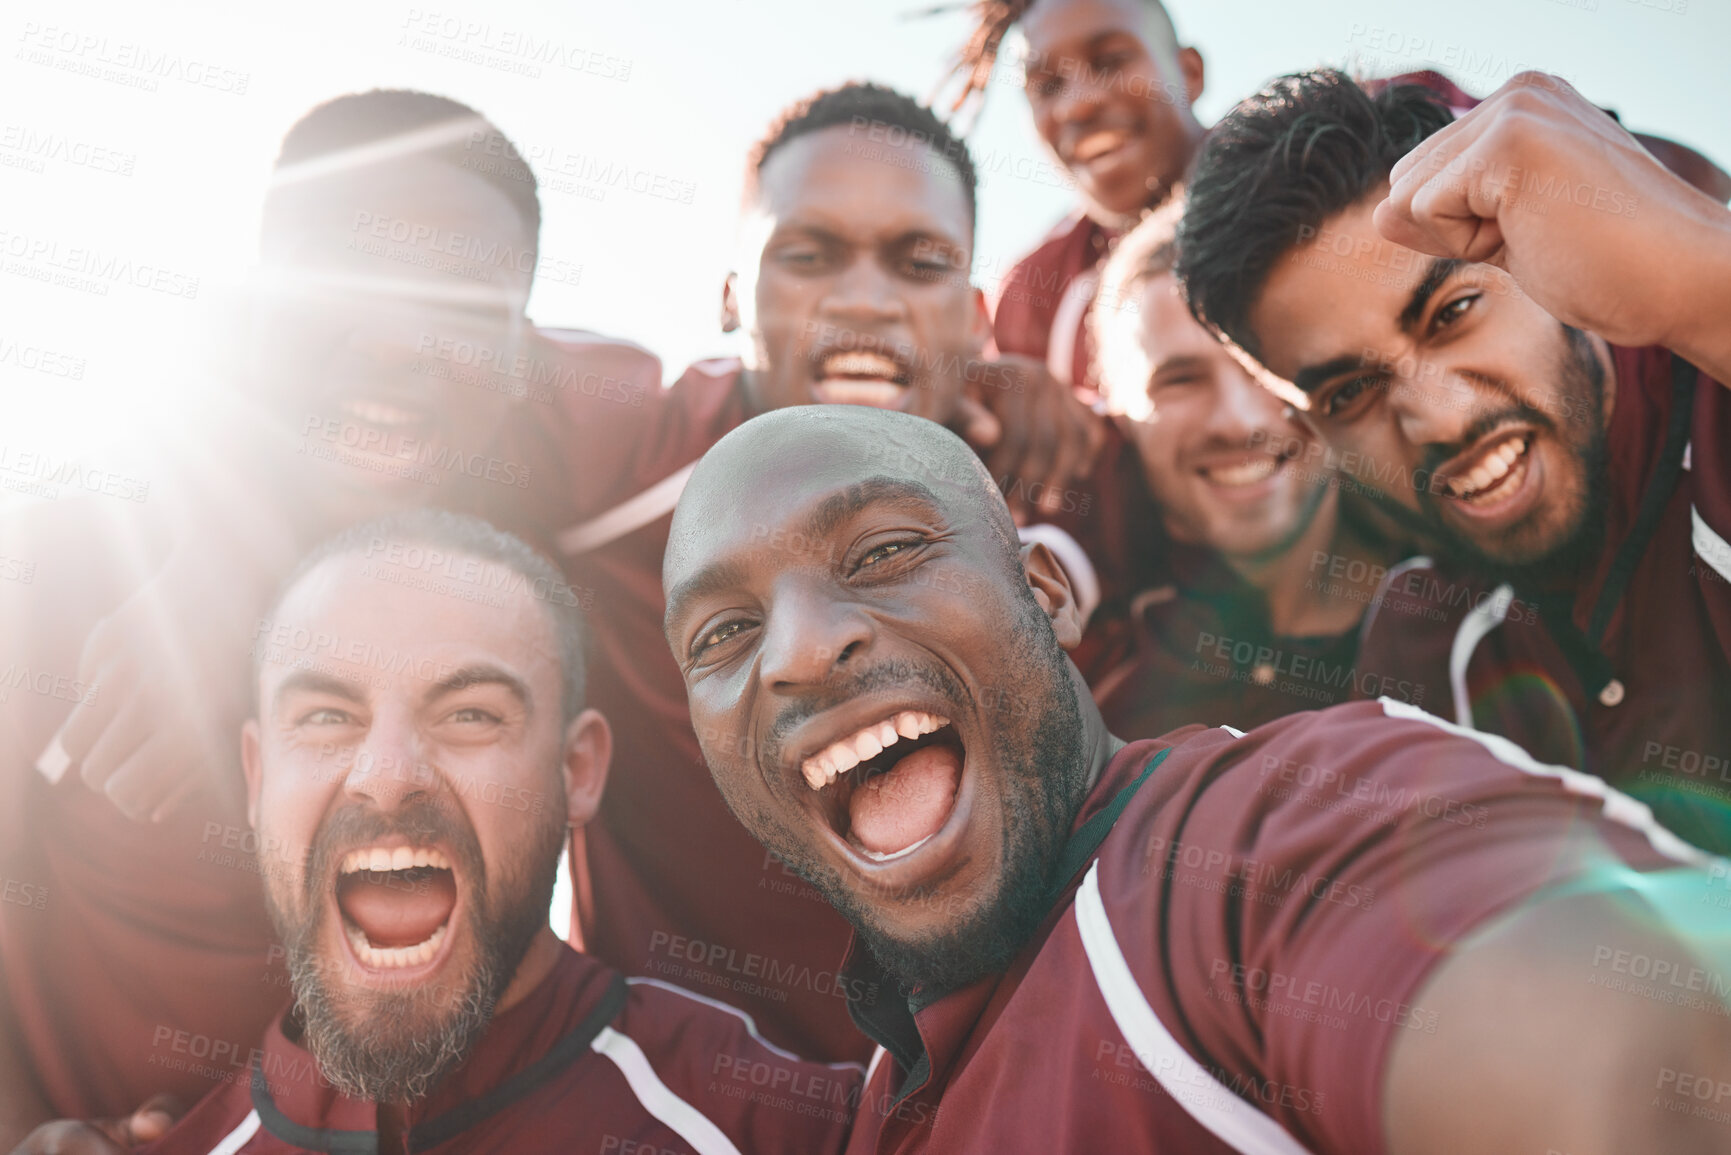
[1242,932]
[131,952]
[1201,649]
[1625,672]
[674,886]
[588,1061]
[1041,308]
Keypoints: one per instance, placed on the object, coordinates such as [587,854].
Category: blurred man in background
[1271,575]
[385,251]
[1111,90]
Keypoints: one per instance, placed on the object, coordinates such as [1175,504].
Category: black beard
[394,1047]
[1045,783]
[1583,377]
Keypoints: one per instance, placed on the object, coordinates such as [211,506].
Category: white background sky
[679,90]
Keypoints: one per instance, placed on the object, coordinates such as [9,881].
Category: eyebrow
[834,511]
[481,674]
[1440,270]
[314,682]
[1311,376]
[1435,276]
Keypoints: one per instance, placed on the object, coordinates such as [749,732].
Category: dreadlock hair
[993,20]
[387,125]
[863,107]
[1284,161]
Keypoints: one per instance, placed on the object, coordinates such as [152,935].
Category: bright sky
[137,138]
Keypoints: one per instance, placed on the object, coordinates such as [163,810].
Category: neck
[1319,583]
[545,951]
[1097,740]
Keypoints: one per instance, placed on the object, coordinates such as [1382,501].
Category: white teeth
[860,364]
[1496,465]
[906,850]
[377,858]
[390,958]
[839,757]
[858,391]
[1247,473]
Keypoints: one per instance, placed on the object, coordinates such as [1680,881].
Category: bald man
[1356,930]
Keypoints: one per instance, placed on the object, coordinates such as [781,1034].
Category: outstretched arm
[1587,1024]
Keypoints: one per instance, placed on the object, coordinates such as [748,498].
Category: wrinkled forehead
[804,482]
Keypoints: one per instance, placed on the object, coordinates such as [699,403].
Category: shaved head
[883,442]
[877,674]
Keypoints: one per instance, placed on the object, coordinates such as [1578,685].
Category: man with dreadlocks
[1111,90]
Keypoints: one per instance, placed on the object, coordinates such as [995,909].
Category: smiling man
[421,750]
[1272,565]
[385,259]
[1497,323]
[1327,934]
[1111,89]
[851,289]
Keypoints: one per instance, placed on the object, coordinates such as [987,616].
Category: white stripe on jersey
[631,514]
[236,1139]
[687,1121]
[750,1023]
[1618,807]
[1067,326]
[1483,618]
[1237,1123]
[1709,546]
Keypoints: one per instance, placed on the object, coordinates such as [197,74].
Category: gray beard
[389,1057]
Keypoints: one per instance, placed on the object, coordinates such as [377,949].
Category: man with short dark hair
[1354,930]
[412,777]
[851,288]
[1511,327]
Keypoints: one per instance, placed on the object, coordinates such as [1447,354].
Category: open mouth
[889,787]
[861,377]
[1097,144]
[396,904]
[1493,474]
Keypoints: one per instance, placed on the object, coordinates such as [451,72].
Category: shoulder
[701,1066]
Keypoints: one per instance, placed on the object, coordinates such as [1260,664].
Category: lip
[925,859]
[1098,146]
[829,387]
[1509,506]
[1249,492]
[388,978]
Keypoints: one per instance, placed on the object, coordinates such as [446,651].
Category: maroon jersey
[1626,672]
[1042,306]
[1246,933]
[118,939]
[1201,649]
[674,886]
[588,1061]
